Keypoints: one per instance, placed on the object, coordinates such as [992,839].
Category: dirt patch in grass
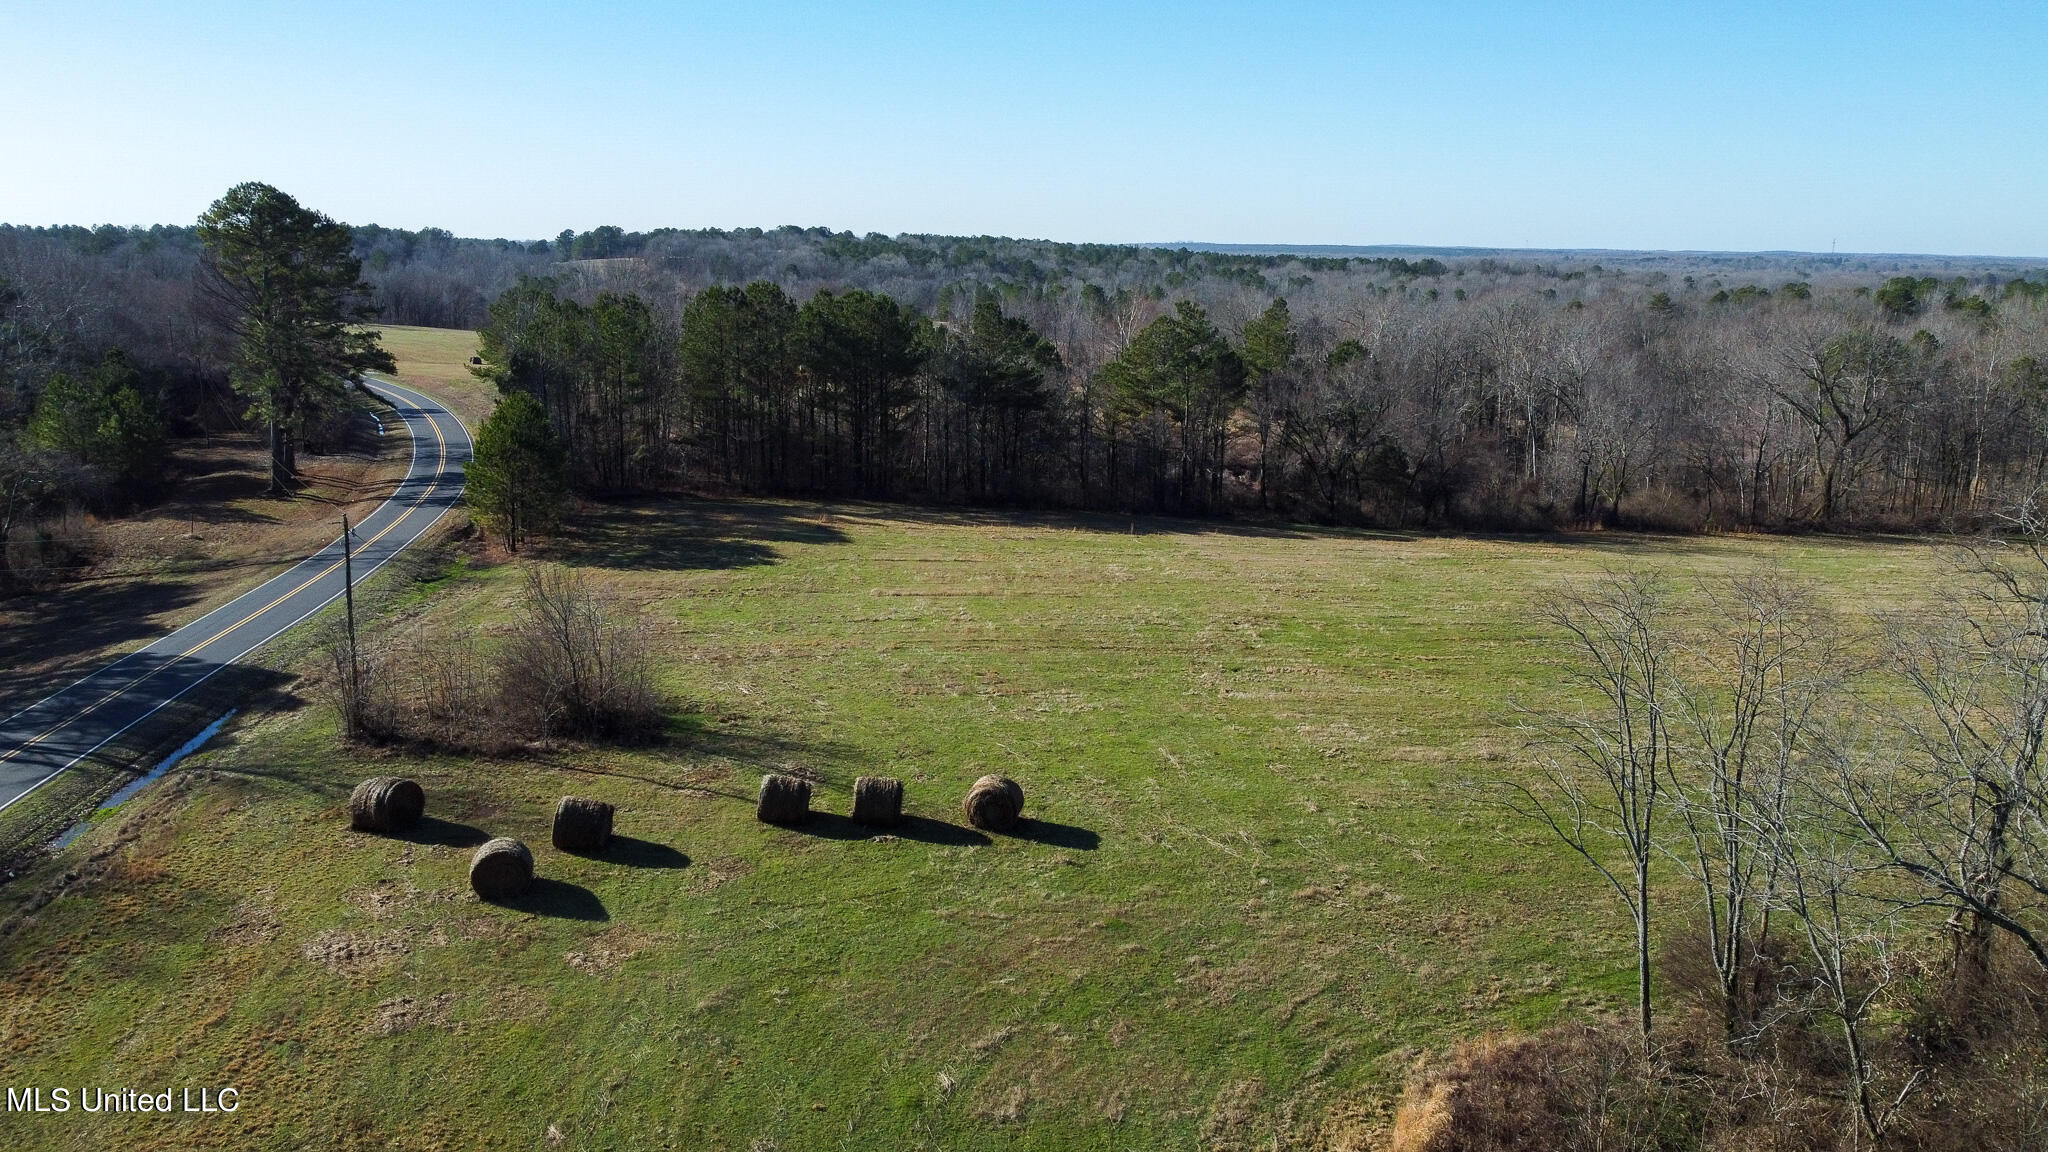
[355,953]
[405,1013]
[609,949]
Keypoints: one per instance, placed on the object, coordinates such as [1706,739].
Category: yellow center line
[441,452]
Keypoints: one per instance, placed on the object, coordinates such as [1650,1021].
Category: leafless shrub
[353,686]
[578,663]
[446,694]
[575,665]
[51,549]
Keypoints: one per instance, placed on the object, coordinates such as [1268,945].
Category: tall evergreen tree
[298,300]
[997,372]
[1269,346]
[1181,370]
[860,351]
[518,471]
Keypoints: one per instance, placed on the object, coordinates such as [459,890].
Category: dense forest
[1517,390]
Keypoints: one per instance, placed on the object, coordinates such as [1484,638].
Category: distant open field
[437,359]
[1258,885]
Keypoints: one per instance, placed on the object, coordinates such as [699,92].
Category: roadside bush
[418,687]
[577,664]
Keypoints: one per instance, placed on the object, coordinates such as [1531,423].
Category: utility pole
[348,591]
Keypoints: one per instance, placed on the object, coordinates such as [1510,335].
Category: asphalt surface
[38,743]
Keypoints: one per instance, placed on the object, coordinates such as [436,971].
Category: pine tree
[295,288]
[518,470]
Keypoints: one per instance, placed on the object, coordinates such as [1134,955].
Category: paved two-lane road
[40,742]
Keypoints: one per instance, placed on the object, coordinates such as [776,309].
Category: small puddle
[129,789]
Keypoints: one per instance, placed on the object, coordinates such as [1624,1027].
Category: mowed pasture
[1261,875]
[437,360]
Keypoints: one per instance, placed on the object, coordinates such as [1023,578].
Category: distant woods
[1915,404]
[1525,391]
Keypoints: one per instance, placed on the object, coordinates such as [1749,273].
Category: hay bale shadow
[634,852]
[558,899]
[831,826]
[434,830]
[1057,835]
[926,830]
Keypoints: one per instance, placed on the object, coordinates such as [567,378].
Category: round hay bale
[500,869]
[878,800]
[583,826]
[784,800]
[386,804]
[994,803]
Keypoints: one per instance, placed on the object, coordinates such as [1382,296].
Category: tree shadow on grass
[557,899]
[675,534]
[1057,835]
[634,852]
[434,830]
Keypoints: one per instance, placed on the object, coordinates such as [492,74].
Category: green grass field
[1258,886]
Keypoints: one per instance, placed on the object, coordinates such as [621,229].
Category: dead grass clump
[386,804]
[501,869]
[994,804]
[878,800]
[1572,1087]
[578,663]
[1685,967]
[583,826]
[1981,1031]
[784,800]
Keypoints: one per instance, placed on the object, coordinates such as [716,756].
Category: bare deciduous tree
[1965,814]
[1606,766]
[1760,683]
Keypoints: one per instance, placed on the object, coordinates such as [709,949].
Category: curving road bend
[38,743]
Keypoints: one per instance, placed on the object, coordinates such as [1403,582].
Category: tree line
[1901,404]
[1489,390]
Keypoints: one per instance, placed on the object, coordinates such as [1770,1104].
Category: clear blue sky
[1881,127]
